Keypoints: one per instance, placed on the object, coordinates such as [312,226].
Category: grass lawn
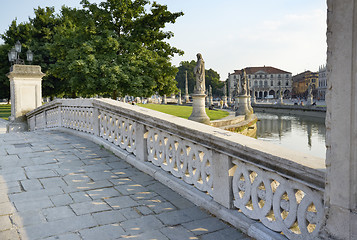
[5,111]
[184,111]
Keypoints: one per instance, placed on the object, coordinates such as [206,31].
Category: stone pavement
[57,186]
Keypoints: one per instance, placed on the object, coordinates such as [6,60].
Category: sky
[230,34]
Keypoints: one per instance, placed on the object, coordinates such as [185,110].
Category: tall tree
[117,47]
[37,35]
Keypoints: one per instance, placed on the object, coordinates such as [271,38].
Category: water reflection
[301,133]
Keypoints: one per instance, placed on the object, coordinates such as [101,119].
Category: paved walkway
[57,186]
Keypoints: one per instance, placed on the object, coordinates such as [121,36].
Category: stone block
[177,233]
[32,184]
[79,197]
[103,193]
[10,234]
[89,207]
[57,213]
[204,226]
[25,205]
[5,223]
[61,200]
[105,232]
[182,216]
[108,217]
[53,182]
[30,217]
[142,224]
[121,202]
[68,236]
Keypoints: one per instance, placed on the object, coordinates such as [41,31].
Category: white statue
[199,72]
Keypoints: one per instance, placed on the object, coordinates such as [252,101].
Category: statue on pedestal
[198,105]
[199,72]
[244,84]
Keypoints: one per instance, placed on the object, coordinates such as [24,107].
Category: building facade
[302,81]
[264,82]
[321,89]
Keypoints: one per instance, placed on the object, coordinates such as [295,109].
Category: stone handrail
[280,188]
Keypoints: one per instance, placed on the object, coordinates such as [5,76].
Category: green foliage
[37,35]
[212,78]
[5,111]
[184,111]
[117,47]
[4,69]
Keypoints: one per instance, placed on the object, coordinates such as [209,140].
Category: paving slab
[57,186]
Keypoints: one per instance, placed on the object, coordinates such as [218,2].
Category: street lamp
[14,54]
[29,55]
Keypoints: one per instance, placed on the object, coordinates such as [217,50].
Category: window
[271,83]
[279,83]
[260,83]
[271,75]
[287,75]
[255,83]
[287,83]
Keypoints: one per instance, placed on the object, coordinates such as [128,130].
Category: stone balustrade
[280,188]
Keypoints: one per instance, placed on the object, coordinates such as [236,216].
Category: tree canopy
[212,78]
[113,48]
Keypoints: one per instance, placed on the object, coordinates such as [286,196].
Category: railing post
[223,170]
[59,116]
[141,142]
[96,122]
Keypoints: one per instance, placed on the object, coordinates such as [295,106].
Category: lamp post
[14,55]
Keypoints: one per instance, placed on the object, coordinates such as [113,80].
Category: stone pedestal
[310,100]
[164,100]
[243,108]
[210,101]
[225,102]
[25,93]
[199,112]
[187,98]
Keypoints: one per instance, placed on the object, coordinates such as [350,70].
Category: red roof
[267,70]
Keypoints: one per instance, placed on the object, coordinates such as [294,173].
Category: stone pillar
[242,108]
[199,111]
[187,97]
[25,93]
[310,100]
[341,121]
[179,101]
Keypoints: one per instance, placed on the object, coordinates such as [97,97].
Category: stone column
[187,97]
[164,101]
[242,105]
[25,93]
[179,101]
[341,121]
[310,100]
[199,111]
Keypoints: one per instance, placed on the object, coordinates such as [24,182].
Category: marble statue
[199,72]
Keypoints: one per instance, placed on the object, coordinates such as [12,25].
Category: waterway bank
[311,111]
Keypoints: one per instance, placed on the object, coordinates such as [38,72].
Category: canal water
[301,133]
